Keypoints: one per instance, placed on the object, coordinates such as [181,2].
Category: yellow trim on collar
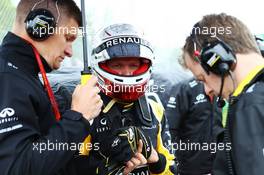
[109,105]
[129,105]
[113,101]
[247,80]
[157,109]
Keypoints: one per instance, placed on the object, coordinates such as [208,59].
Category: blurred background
[166,23]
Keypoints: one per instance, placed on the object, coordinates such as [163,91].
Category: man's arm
[25,148]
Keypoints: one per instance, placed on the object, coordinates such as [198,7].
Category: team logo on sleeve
[172,102]
[193,83]
[7,112]
[103,126]
[8,121]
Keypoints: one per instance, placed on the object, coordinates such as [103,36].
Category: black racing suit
[145,113]
[29,133]
[193,119]
[244,129]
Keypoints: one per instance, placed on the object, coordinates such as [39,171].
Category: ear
[196,60]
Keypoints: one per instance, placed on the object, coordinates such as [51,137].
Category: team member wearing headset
[232,66]
[29,117]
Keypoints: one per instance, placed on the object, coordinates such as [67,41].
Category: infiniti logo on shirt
[200,99]
[8,121]
[7,112]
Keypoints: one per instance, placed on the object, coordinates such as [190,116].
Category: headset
[216,56]
[41,23]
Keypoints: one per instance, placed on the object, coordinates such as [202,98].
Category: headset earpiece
[223,68]
[40,24]
[218,57]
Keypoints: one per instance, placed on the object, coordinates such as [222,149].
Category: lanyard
[47,85]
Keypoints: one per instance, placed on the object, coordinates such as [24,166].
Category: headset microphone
[220,102]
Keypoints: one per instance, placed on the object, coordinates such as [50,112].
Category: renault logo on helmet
[7,112]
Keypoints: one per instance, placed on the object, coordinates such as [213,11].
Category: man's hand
[153,158]
[86,100]
[123,147]
[137,160]
[132,147]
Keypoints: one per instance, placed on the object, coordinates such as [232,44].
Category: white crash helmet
[122,41]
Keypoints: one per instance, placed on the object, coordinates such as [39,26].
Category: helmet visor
[126,66]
